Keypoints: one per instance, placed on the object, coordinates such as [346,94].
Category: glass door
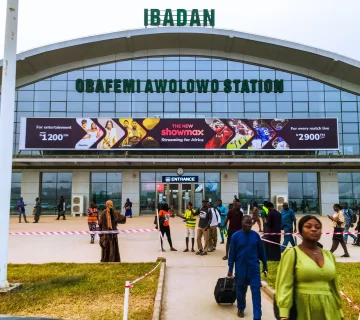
[198,195]
[186,195]
[173,198]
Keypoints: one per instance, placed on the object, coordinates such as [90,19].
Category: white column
[229,186]
[131,189]
[30,189]
[278,184]
[6,130]
[81,186]
[329,191]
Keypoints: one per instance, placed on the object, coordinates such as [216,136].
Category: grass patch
[348,273]
[80,291]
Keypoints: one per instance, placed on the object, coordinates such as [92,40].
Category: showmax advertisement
[178,134]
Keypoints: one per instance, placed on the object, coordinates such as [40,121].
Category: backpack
[353,217]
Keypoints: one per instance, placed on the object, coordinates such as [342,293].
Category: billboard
[178,134]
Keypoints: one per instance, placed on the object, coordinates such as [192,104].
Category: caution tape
[131,284]
[66,233]
[350,302]
[273,242]
[297,233]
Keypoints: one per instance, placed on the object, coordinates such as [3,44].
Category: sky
[332,25]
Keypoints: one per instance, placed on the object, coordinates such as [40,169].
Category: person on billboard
[262,135]
[110,136]
[241,130]
[134,134]
[222,134]
[281,144]
[127,129]
[93,134]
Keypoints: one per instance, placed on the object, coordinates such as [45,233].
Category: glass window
[253,187]
[349,189]
[105,186]
[303,192]
[15,191]
[53,185]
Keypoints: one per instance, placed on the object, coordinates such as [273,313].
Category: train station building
[182,113]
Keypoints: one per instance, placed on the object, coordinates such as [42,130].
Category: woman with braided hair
[108,221]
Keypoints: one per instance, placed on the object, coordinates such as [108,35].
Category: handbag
[338,237]
[293,311]
[127,208]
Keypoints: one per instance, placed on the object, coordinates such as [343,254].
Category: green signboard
[179,18]
[181,86]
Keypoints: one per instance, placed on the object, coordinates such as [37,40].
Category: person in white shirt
[215,223]
[281,145]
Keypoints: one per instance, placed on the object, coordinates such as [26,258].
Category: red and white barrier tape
[350,302]
[142,277]
[66,233]
[273,242]
[296,233]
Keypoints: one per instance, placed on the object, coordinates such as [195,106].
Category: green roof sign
[179,18]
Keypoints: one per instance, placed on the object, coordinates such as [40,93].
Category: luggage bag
[225,290]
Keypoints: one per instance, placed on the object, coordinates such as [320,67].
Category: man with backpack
[350,219]
[215,223]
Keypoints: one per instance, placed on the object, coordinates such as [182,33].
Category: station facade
[269,79]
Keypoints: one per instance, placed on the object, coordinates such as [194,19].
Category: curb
[268,290]
[160,291]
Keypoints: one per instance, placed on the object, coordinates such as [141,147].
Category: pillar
[229,186]
[278,185]
[30,189]
[131,189]
[81,186]
[329,191]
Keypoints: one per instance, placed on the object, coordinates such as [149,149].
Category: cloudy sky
[332,25]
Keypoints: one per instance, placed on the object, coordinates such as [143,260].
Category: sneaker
[210,250]
[345,256]
[173,249]
[203,253]
[241,314]
[222,242]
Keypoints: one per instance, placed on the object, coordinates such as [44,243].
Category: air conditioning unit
[280,201]
[77,205]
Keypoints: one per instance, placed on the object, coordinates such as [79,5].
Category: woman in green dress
[317,292]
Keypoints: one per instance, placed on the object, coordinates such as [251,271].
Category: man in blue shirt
[348,213]
[288,219]
[246,251]
[21,208]
[223,213]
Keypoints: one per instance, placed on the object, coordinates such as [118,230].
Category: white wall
[81,186]
[30,188]
[278,184]
[229,186]
[131,189]
[329,191]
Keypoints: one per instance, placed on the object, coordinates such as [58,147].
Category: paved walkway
[190,279]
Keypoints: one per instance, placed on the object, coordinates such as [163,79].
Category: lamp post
[7,112]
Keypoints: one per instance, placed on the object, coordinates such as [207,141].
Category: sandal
[225,258]
[173,249]
[186,250]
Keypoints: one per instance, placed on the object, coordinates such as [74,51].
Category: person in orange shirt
[164,219]
[92,219]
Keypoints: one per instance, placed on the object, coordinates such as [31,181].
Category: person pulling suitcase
[247,266]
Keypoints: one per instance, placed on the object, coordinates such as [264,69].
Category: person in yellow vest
[190,223]
[92,219]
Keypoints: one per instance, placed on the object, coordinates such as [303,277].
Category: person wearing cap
[205,218]
[288,220]
[92,219]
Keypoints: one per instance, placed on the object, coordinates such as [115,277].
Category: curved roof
[331,68]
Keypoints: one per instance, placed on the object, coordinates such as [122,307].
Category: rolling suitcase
[225,290]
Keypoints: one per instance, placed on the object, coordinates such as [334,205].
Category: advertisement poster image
[178,134]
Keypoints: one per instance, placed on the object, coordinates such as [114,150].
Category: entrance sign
[167,179]
[178,134]
[179,18]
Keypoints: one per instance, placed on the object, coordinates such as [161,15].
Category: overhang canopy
[330,68]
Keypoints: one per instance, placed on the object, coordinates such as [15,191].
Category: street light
[7,112]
